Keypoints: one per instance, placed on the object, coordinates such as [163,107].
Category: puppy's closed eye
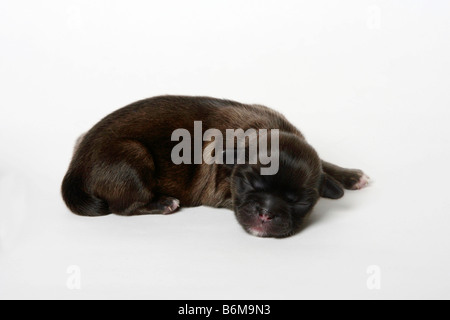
[292,198]
[297,200]
[257,185]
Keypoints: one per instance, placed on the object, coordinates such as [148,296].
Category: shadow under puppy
[123,165]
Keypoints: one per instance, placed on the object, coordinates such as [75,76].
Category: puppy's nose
[265,216]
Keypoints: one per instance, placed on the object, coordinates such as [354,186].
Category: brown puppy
[123,165]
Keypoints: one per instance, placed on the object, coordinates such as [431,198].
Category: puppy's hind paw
[170,205]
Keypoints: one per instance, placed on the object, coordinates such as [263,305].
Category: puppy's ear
[330,188]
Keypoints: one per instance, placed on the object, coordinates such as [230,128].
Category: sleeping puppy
[124,165]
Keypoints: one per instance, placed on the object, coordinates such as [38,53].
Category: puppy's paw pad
[363,182]
[170,205]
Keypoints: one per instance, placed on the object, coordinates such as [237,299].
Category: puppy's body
[123,164]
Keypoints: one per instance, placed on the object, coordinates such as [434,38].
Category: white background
[366,81]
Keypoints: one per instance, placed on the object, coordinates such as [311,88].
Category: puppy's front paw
[170,205]
[358,180]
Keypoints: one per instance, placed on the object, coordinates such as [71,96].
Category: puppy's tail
[80,202]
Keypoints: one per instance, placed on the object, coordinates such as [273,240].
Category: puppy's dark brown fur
[123,164]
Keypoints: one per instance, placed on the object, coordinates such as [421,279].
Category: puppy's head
[276,205]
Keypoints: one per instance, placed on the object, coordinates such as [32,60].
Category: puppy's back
[148,126]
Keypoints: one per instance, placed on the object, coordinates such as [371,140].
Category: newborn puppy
[124,165]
